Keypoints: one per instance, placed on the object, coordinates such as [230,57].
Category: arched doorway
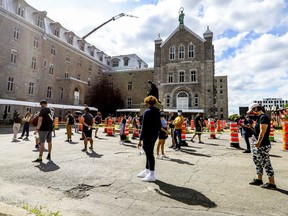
[182,101]
[76,96]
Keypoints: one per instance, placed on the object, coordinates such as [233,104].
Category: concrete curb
[9,210]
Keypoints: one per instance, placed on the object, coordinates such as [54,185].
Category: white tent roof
[37,104]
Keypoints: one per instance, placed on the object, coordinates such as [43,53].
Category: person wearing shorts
[44,129]
[88,122]
[198,127]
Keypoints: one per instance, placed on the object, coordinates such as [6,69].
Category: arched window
[191,52]
[196,99]
[172,53]
[168,100]
[182,101]
[115,62]
[181,52]
[126,61]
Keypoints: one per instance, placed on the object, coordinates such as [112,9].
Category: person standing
[151,125]
[122,129]
[163,135]
[26,120]
[135,125]
[16,125]
[44,129]
[178,121]
[171,126]
[87,129]
[98,120]
[247,132]
[261,148]
[198,127]
[69,125]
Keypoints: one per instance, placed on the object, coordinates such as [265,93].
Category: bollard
[80,126]
[110,128]
[56,123]
[212,130]
[192,125]
[271,134]
[285,134]
[234,138]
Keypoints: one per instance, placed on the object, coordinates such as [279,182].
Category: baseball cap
[43,102]
[252,106]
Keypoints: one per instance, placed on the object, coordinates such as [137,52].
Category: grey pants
[16,128]
[262,160]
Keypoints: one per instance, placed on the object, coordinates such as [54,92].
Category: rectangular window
[10,84]
[40,22]
[13,58]
[170,77]
[70,40]
[79,63]
[68,59]
[45,62]
[51,69]
[79,76]
[130,85]
[66,75]
[53,49]
[181,76]
[49,92]
[16,33]
[31,88]
[172,53]
[129,103]
[82,46]
[36,42]
[20,10]
[61,93]
[57,31]
[193,76]
[7,108]
[33,64]
[191,51]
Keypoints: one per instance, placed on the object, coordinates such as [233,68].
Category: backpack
[35,121]
[71,120]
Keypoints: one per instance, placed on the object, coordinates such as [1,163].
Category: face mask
[179,113]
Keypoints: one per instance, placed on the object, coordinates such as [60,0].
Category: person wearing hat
[178,121]
[44,129]
[261,147]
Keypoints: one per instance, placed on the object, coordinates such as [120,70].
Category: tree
[105,97]
[233,117]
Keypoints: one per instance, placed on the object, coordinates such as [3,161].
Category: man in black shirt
[198,127]
[88,122]
[44,129]
[171,126]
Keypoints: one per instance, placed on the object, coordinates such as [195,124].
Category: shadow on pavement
[191,146]
[184,195]
[93,154]
[275,156]
[179,161]
[282,191]
[131,146]
[49,167]
[73,143]
[212,144]
[188,151]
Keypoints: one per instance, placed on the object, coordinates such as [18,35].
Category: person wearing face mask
[151,125]
[261,147]
[178,130]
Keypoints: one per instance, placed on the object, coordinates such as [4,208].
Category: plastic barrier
[218,122]
[192,124]
[212,130]
[183,133]
[234,138]
[110,128]
[80,126]
[126,132]
[285,134]
[271,134]
[56,123]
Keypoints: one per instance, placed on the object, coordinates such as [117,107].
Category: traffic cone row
[234,138]
[285,134]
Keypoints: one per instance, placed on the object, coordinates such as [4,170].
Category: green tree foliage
[233,117]
[104,97]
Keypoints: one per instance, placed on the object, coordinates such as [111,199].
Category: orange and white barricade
[192,124]
[183,133]
[126,132]
[271,134]
[80,126]
[234,137]
[285,134]
[110,127]
[56,123]
[212,130]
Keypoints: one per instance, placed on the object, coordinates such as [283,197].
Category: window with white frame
[181,76]
[129,103]
[126,61]
[13,58]
[49,92]
[196,100]
[70,39]
[181,52]
[193,75]
[170,77]
[10,84]
[191,52]
[33,64]
[16,34]
[20,10]
[51,69]
[45,63]
[39,22]
[56,31]
[130,85]
[172,53]
[31,88]
[61,93]
[79,63]
[53,49]
[82,46]
[36,42]
[168,100]
[115,62]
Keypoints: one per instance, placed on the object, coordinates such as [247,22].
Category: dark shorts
[45,135]
[198,130]
[123,137]
[87,133]
[162,135]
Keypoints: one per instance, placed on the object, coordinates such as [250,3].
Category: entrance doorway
[182,101]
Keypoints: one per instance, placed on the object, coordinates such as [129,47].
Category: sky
[250,37]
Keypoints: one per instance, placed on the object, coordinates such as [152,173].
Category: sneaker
[37,146]
[256,182]
[201,142]
[269,186]
[91,147]
[84,150]
[247,151]
[37,160]
[178,149]
[121,142]
[192,141]
[149,178]
[171,146]
[67,140]
[26,138]
[48,157]
[143,173]
[19,137]
[159,157]
[164,156]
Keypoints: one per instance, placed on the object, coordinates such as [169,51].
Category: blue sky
[250,36]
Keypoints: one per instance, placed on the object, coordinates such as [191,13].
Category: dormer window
[81,44]
[20,10]
[126,61]
[70,37]
[39,18]
[139,63]
[40,22]
[100,55]
[56,29]
[115,62]
[92,50]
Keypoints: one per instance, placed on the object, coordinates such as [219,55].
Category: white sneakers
[121,142]
[147,176]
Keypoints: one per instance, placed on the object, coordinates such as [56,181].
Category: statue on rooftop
[181,16]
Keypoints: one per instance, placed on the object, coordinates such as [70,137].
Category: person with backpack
[69,124]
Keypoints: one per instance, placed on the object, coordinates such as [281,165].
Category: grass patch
[40,211]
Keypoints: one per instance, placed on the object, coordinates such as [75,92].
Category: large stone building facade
[39,58]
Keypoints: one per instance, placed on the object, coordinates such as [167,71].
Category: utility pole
[112,19]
